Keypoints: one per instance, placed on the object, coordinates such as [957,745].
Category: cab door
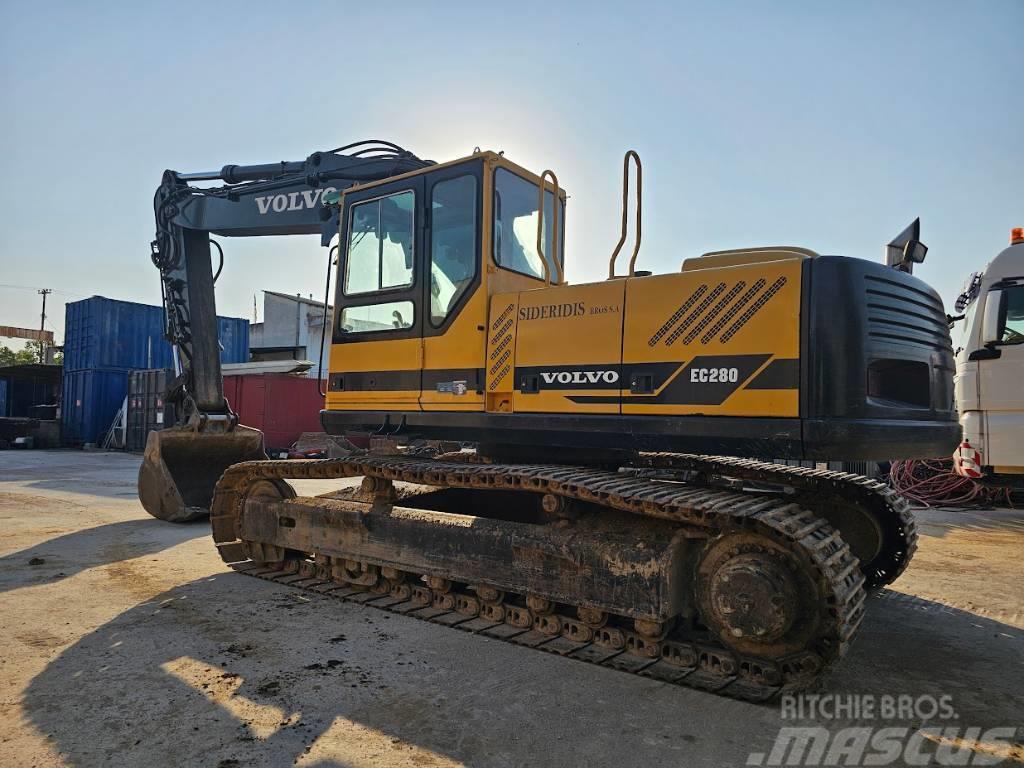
[999,380]
[377,357]
[453,297]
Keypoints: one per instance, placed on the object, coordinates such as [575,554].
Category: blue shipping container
[101,333]
[3,397]
[90,403]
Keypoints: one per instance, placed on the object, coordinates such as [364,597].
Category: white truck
[989,379]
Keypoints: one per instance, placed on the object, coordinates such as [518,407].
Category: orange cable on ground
[933,482]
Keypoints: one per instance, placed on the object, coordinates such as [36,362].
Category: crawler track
[685,655]
[817,488]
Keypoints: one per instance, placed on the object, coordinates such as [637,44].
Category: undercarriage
[736,576]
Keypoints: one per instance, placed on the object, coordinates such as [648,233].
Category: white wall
[288,322]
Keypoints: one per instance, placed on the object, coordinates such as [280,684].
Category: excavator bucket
[181,467]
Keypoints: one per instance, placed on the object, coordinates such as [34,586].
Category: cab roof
[497,159]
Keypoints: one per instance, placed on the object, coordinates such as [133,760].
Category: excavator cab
[420,258]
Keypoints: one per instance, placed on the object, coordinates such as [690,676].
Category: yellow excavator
[611,495]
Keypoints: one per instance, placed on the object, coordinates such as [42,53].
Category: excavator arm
[286,198]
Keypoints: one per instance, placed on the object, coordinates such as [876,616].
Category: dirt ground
[126,642]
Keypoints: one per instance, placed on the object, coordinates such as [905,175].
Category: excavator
[583,469]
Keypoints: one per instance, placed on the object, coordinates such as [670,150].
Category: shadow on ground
[93,473]
[231,669]
[88,487]
[67,555]
[940,522]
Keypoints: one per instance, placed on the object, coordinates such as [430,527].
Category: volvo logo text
[580,377]
[291,201]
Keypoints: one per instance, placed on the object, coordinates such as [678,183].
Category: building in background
[29,391]
[29,395]
[292,329]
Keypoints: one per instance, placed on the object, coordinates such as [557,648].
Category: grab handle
[542,188]
[625,203]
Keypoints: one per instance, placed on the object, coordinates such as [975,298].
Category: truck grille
[902,314]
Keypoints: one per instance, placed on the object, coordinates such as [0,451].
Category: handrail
[625,203]
[542,188]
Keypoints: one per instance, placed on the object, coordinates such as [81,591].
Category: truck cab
[990,367]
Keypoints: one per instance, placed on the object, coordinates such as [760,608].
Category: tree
[26,356]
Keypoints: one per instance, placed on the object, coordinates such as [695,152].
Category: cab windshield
[515,225]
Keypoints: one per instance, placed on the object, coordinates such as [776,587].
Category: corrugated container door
[233,333]
[245,395]
[90,403]
[281,406]
[231,392]
[277,423]
[254,396]
[147,409]
[293,406]
[136,415]
[309,403]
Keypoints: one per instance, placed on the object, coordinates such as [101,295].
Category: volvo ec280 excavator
[613,499]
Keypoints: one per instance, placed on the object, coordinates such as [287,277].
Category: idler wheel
[757,596]
[264,552]
[753,595]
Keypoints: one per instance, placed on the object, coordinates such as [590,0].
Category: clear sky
[823,124]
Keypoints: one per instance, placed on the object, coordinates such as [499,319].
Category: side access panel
[501,351]
[722,341]
[568,352]
[376,375]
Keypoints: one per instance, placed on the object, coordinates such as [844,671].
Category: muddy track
[888,509]
[673,653]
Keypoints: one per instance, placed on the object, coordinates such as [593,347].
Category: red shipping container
[281,405]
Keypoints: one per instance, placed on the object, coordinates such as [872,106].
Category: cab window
[515,225]
[1013,328]
[453,239]
[370,318]
[380,244]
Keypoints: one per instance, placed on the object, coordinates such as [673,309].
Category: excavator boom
[178,473]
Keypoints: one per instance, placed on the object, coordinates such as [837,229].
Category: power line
[37,288]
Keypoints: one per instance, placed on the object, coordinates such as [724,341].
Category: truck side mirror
[906,249]
[914,252]
[994,319]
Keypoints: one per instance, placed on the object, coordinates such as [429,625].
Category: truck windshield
[515,225]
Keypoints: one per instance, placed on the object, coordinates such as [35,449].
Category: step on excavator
[612,496]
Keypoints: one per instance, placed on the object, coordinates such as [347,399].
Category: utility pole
[42,324]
